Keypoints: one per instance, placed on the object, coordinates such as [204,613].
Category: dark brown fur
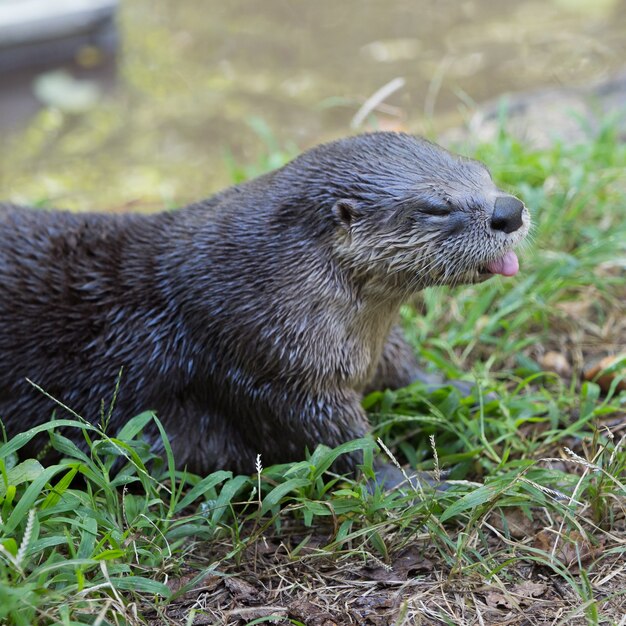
[251,322]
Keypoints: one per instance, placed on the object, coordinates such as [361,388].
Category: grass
[531,530]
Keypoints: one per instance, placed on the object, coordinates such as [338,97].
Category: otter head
[409,214]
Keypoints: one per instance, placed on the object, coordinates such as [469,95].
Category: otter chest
[364,349]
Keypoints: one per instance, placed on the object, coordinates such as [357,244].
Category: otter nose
[507,214]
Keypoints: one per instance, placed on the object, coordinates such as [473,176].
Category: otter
[254,321]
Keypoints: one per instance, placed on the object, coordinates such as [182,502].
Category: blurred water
[203,85]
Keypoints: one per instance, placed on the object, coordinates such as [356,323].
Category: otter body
[254,321]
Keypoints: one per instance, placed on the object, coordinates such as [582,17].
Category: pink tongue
[508,265]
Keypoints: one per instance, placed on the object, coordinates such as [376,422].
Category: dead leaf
[242,590]
[375,601]
[606,380]
[529,589]
[310,614]
[206,584]
[409,561]
[556,362]
[514,520]
[522,594]
[383,575]
[571,549]
[498,600]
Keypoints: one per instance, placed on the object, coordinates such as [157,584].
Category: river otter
[254,321]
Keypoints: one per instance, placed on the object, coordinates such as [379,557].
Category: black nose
[507,214]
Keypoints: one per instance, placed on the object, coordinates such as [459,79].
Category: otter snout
[507,214]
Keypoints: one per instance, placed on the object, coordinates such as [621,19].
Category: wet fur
[251,322]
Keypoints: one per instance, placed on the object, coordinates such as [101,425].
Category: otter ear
[346,212]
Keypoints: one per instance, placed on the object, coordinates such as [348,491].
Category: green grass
[537,469]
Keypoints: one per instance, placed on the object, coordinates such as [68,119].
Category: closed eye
[439,209]
[414,210]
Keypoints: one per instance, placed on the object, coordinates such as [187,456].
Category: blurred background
[109,104]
